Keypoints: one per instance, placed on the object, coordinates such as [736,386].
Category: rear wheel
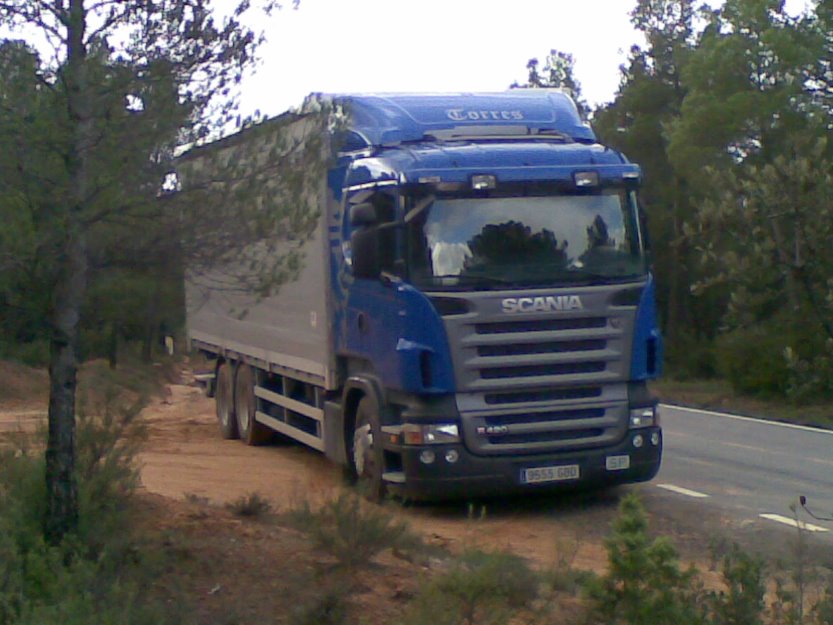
[245,406]
[367,456]
[224,401]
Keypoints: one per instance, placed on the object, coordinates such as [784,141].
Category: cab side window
[385,205]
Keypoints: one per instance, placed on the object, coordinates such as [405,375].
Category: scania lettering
[541,304]
[474,313]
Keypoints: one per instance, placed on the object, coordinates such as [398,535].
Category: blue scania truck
[475,313]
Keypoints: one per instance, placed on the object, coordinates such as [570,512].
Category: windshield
[524,241]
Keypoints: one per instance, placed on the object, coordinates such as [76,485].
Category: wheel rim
[244,408]
[224,399]
[363,450]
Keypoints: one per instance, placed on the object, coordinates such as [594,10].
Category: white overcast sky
[338,46]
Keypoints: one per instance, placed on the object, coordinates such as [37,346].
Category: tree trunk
[70,291]
[61,483]
[113,345]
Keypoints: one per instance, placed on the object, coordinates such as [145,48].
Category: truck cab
[493,324]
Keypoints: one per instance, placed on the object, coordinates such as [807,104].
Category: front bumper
[474,475]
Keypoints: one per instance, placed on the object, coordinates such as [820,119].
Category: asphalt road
[751,471]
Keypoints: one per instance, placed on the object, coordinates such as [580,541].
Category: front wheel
[367,456]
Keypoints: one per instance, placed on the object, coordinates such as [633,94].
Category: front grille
[546,437]
[541,325]
[540,382]
[549,347]
[543,417]
[541,370]
[558,394]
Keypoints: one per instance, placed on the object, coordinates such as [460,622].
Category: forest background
[728,111]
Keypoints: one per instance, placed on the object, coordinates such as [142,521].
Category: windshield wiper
[472,280]
[582,275]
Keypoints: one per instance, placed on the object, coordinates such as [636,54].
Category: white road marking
[682,491]
[749,447]
[793,523]
[710,413]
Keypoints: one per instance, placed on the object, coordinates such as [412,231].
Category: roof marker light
[586,179]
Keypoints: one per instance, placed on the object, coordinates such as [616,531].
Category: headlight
[644,417]
[430,434]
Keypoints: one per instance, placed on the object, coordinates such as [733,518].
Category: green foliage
[692,357]
[95,575]
[98,239]
[752,359]
[558,72]
[809,376]
[730,122]
[328,606]
[766,237]
[644,584]
[823,609]
[742,603]
[351,531]
[33,354]
[479,588]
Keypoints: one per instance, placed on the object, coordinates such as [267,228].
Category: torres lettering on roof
[386,119]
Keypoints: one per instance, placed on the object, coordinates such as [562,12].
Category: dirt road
[185,458]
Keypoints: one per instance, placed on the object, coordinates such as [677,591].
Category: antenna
[803,501]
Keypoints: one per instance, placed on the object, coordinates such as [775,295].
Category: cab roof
[378,120]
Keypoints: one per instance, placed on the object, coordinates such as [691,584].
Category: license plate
[618,463]
[561,473]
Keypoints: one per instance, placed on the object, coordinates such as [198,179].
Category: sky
[352,46]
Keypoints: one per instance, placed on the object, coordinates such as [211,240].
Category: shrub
[563,576]
[251,505]
[328,606]
[351,531]
[690,356]
[478,588]
[823,609]
[810,376]
[95,575]
[752,360]
[32,354]
[743,599]
[644,584]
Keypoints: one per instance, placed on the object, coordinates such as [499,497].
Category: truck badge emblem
[492,430]
[550,303]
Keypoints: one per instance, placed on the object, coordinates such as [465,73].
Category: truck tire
[367,455]
[224,401]
[245,406]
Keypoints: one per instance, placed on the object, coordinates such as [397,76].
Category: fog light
[655,439]
[452,456]
[638,441]
[426,456]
